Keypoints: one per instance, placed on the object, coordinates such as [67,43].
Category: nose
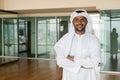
[79,22]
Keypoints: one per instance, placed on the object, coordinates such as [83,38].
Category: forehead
[80,17]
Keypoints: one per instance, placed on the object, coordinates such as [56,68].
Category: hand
[71,58]
[86,67]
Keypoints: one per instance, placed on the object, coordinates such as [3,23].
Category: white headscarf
[82,13]
[66,40]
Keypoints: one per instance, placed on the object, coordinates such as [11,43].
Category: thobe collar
[79,36]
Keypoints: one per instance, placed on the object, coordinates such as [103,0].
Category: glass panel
[95,20]
[27,37]
[46,37]
[110,20]
[115,43]
[105,37]
[10,37]
[42,48]
[63,25]
[22,36]
[0,37]
[51,39]
[32,34]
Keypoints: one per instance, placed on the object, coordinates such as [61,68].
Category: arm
[71,58]
[64,61]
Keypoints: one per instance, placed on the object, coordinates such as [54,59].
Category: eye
[79,20]
[83,20]
[75,19]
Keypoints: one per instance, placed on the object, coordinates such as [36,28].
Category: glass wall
[50,29]
[36,36]
[110,39]
[10,37]
[0,36]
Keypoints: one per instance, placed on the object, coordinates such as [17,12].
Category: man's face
[80,23]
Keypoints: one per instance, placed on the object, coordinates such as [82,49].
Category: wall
[46,4]
[107,4]
[1,4]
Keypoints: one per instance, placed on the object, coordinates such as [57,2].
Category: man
[114,43]
[78,51]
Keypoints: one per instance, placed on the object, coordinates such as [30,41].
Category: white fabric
[85,14]
[86,52]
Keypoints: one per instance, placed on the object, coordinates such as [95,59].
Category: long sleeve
[63,62]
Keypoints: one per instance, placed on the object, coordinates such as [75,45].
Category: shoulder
[64,38]
[94,38]
[67,36]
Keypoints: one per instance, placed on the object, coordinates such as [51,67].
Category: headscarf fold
[81,12]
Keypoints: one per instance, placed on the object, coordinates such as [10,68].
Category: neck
[80,32]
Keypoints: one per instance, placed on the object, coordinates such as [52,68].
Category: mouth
[80,27]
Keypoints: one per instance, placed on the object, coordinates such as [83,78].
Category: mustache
[83,29]
[80,25]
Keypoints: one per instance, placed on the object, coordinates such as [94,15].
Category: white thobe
[86,52]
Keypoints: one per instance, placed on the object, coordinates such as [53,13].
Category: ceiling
[55,10]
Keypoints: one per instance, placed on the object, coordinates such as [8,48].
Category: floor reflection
[46,55]
[112,63]
[7,60]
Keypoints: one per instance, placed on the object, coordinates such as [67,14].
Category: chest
[80,47]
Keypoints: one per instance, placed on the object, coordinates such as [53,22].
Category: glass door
[26,29]
[110,40]
[22,29]
[10,37]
